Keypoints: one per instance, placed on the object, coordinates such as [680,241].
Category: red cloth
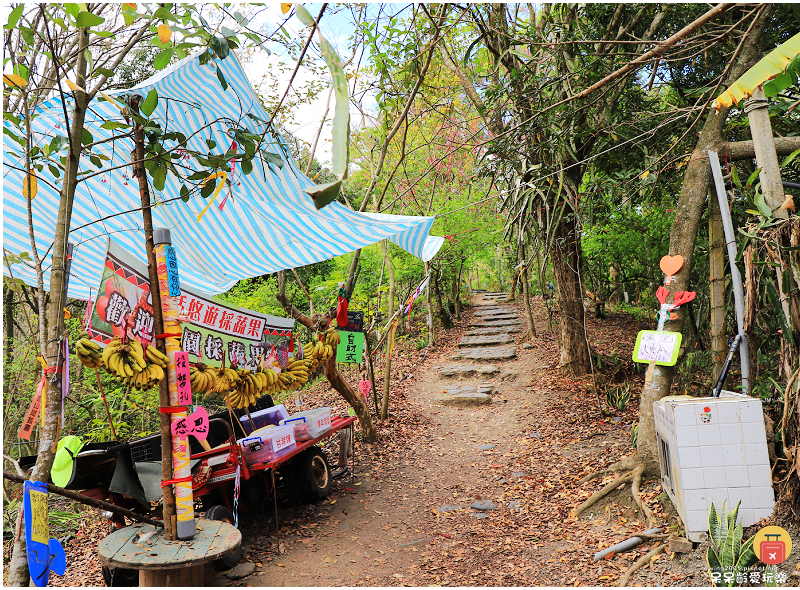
[341,312]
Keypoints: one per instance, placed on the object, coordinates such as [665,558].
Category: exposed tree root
[607,490]
[635,476]
[624,464]
[637,496]
[642,561]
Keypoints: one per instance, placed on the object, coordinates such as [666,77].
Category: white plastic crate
[309,424]
[712,450]
[267,444]
[266,417]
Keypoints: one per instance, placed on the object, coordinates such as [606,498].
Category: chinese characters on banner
[172,271]
[32,415]
[211,330]
[182,378]
[195,424]
[350,348]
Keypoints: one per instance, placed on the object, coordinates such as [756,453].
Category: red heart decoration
[671,264]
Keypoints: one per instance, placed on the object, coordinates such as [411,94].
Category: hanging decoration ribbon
[233,171]
[32,414]
[236,499]
[391,337]
[413,298]
[220,174]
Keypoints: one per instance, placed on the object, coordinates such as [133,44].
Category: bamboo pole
[184,500]
[158,328]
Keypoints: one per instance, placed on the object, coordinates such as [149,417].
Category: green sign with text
[350,348]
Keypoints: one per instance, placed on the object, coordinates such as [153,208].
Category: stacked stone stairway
[489,341]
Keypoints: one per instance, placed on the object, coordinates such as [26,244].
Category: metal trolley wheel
[312,474]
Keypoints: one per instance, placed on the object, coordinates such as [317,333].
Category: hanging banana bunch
[88,351]
[202,378]
[299,370]
[227,380]
[127,363]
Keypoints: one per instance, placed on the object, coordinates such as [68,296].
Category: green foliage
[634,434]
[726,552]
[618,397]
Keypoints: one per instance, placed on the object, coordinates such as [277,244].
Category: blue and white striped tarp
[267,223]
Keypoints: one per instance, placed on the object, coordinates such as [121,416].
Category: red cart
[305,471]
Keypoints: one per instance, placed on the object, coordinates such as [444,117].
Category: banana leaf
[780,64]
[340,131]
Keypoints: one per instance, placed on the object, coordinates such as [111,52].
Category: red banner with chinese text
[211,329]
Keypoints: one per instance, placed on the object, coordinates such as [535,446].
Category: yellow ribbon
[391,338]
[224,176]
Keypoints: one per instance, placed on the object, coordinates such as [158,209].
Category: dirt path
[415,512]
[374,534]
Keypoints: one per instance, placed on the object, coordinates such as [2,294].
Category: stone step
[487,353]
[493,330]
[467,395]
[498,317]
[457,370]
[494,311]
[496,324]
[485,340]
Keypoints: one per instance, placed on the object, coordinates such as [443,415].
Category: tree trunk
[616,284]
[523,278]
[429,303]
[455,295]
[716,264]
[567,261]
[48,436]
[459,308]
[444,315]
[387,376]
[169,507]
[696,182]
[8,338]
[355,399]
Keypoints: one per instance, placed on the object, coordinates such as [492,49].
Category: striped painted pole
[184,500]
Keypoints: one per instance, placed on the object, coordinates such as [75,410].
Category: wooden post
[716,264]
[184,501]
[429,303]
[371,374]
[158,328]
[523,278]
[766,156]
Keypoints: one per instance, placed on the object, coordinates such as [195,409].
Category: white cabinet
[712,450]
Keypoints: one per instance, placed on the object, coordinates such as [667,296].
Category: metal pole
[736,278]
[184,501]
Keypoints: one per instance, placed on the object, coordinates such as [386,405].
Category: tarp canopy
[259,223]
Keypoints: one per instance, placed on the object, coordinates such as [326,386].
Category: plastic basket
[309,423]
[267,444]
[268,417]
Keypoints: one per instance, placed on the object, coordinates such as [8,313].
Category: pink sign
[195,424]
[364,387]
[183,379]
